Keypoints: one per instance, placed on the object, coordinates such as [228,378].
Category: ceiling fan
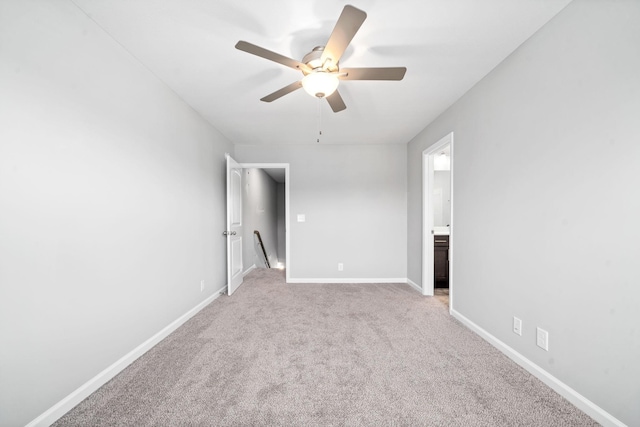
[320,67]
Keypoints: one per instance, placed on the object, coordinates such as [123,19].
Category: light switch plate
[301,218]
[517,326]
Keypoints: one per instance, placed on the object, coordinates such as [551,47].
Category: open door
[431,227]
[234,225]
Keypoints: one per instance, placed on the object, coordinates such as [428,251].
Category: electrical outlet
[517,326]
[542,339]
[340,266]
[201,285]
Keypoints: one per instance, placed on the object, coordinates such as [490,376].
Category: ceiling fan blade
[394,73]
[271,56]
[336,102]
[282,92]
[347,26]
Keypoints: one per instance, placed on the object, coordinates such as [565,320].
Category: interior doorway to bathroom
[437,215]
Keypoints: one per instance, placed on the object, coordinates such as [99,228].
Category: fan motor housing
[313,59]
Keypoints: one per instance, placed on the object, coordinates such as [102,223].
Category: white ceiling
[446,45]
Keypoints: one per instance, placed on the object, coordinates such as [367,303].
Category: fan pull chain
[319,120]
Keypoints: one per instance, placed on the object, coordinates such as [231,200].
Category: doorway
[278,172]
[437,218]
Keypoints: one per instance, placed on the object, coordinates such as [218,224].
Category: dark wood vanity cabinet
[441,261]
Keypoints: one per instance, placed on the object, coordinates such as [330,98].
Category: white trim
[248,270]
[287,178]
[287,223]
[52,414]
[427,217]
[414,285]
[578,400]
[347,280]
[451,227]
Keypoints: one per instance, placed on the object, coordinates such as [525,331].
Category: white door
[234,225]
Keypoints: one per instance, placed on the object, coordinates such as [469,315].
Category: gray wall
[354,199]
[259,212]
[550,141]
[111,205]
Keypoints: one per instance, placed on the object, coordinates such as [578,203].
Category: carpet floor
[324,355]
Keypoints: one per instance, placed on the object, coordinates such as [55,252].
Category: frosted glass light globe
[320,83]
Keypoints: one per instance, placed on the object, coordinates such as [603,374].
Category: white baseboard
[578,400]
[65,405]
[248,270]
[347,280]
[414,285]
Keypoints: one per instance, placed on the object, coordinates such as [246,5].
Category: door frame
[287,217]
[427,217]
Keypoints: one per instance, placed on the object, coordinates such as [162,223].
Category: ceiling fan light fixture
[320,84]
[320,67]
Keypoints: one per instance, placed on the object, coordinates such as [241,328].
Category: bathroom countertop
[440,231]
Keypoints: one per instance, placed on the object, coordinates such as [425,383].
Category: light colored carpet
[324,355]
